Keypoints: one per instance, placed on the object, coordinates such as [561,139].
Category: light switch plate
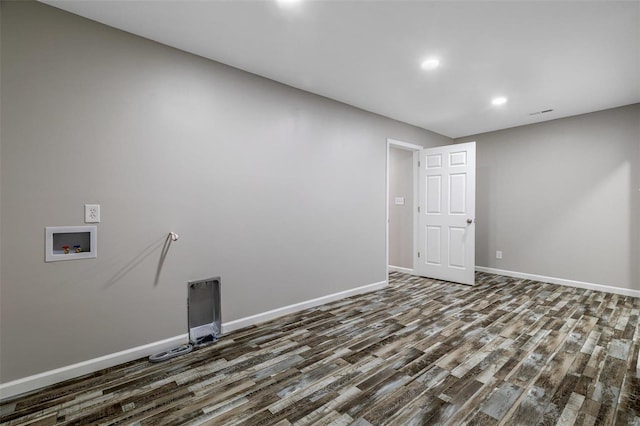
[91,213]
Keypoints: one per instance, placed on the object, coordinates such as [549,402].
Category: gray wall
[280,192]
[401,216]
[562,198]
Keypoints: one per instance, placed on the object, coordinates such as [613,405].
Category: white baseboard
[400,269]
[561,281]
[266,316]
[47,378]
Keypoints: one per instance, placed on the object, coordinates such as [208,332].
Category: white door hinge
[418,254]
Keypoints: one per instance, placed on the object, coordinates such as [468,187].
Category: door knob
[469,221]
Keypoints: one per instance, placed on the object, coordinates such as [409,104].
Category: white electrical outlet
[498,254]
[91,213]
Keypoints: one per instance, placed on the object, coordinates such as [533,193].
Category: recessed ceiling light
[500,100]
[430,64]
[287,2]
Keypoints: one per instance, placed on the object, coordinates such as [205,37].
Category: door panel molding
[446,213]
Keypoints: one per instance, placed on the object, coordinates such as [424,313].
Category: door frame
[415,149]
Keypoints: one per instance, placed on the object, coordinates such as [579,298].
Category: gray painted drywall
[562,198]
[0,189]
[401,216]
[280,192]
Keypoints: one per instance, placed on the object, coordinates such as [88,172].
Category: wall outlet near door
[498,254]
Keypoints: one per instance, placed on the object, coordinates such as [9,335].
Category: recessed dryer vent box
[204,314]
[70,243]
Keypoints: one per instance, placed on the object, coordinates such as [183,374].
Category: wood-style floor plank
[420,351]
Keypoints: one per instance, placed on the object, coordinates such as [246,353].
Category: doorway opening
[402,199]
[431,210]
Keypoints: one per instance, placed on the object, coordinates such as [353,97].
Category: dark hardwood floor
[421,351]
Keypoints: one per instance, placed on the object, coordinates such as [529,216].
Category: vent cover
[541,112]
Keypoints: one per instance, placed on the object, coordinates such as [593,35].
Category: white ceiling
[570,56]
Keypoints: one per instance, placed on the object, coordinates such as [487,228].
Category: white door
[446,213]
